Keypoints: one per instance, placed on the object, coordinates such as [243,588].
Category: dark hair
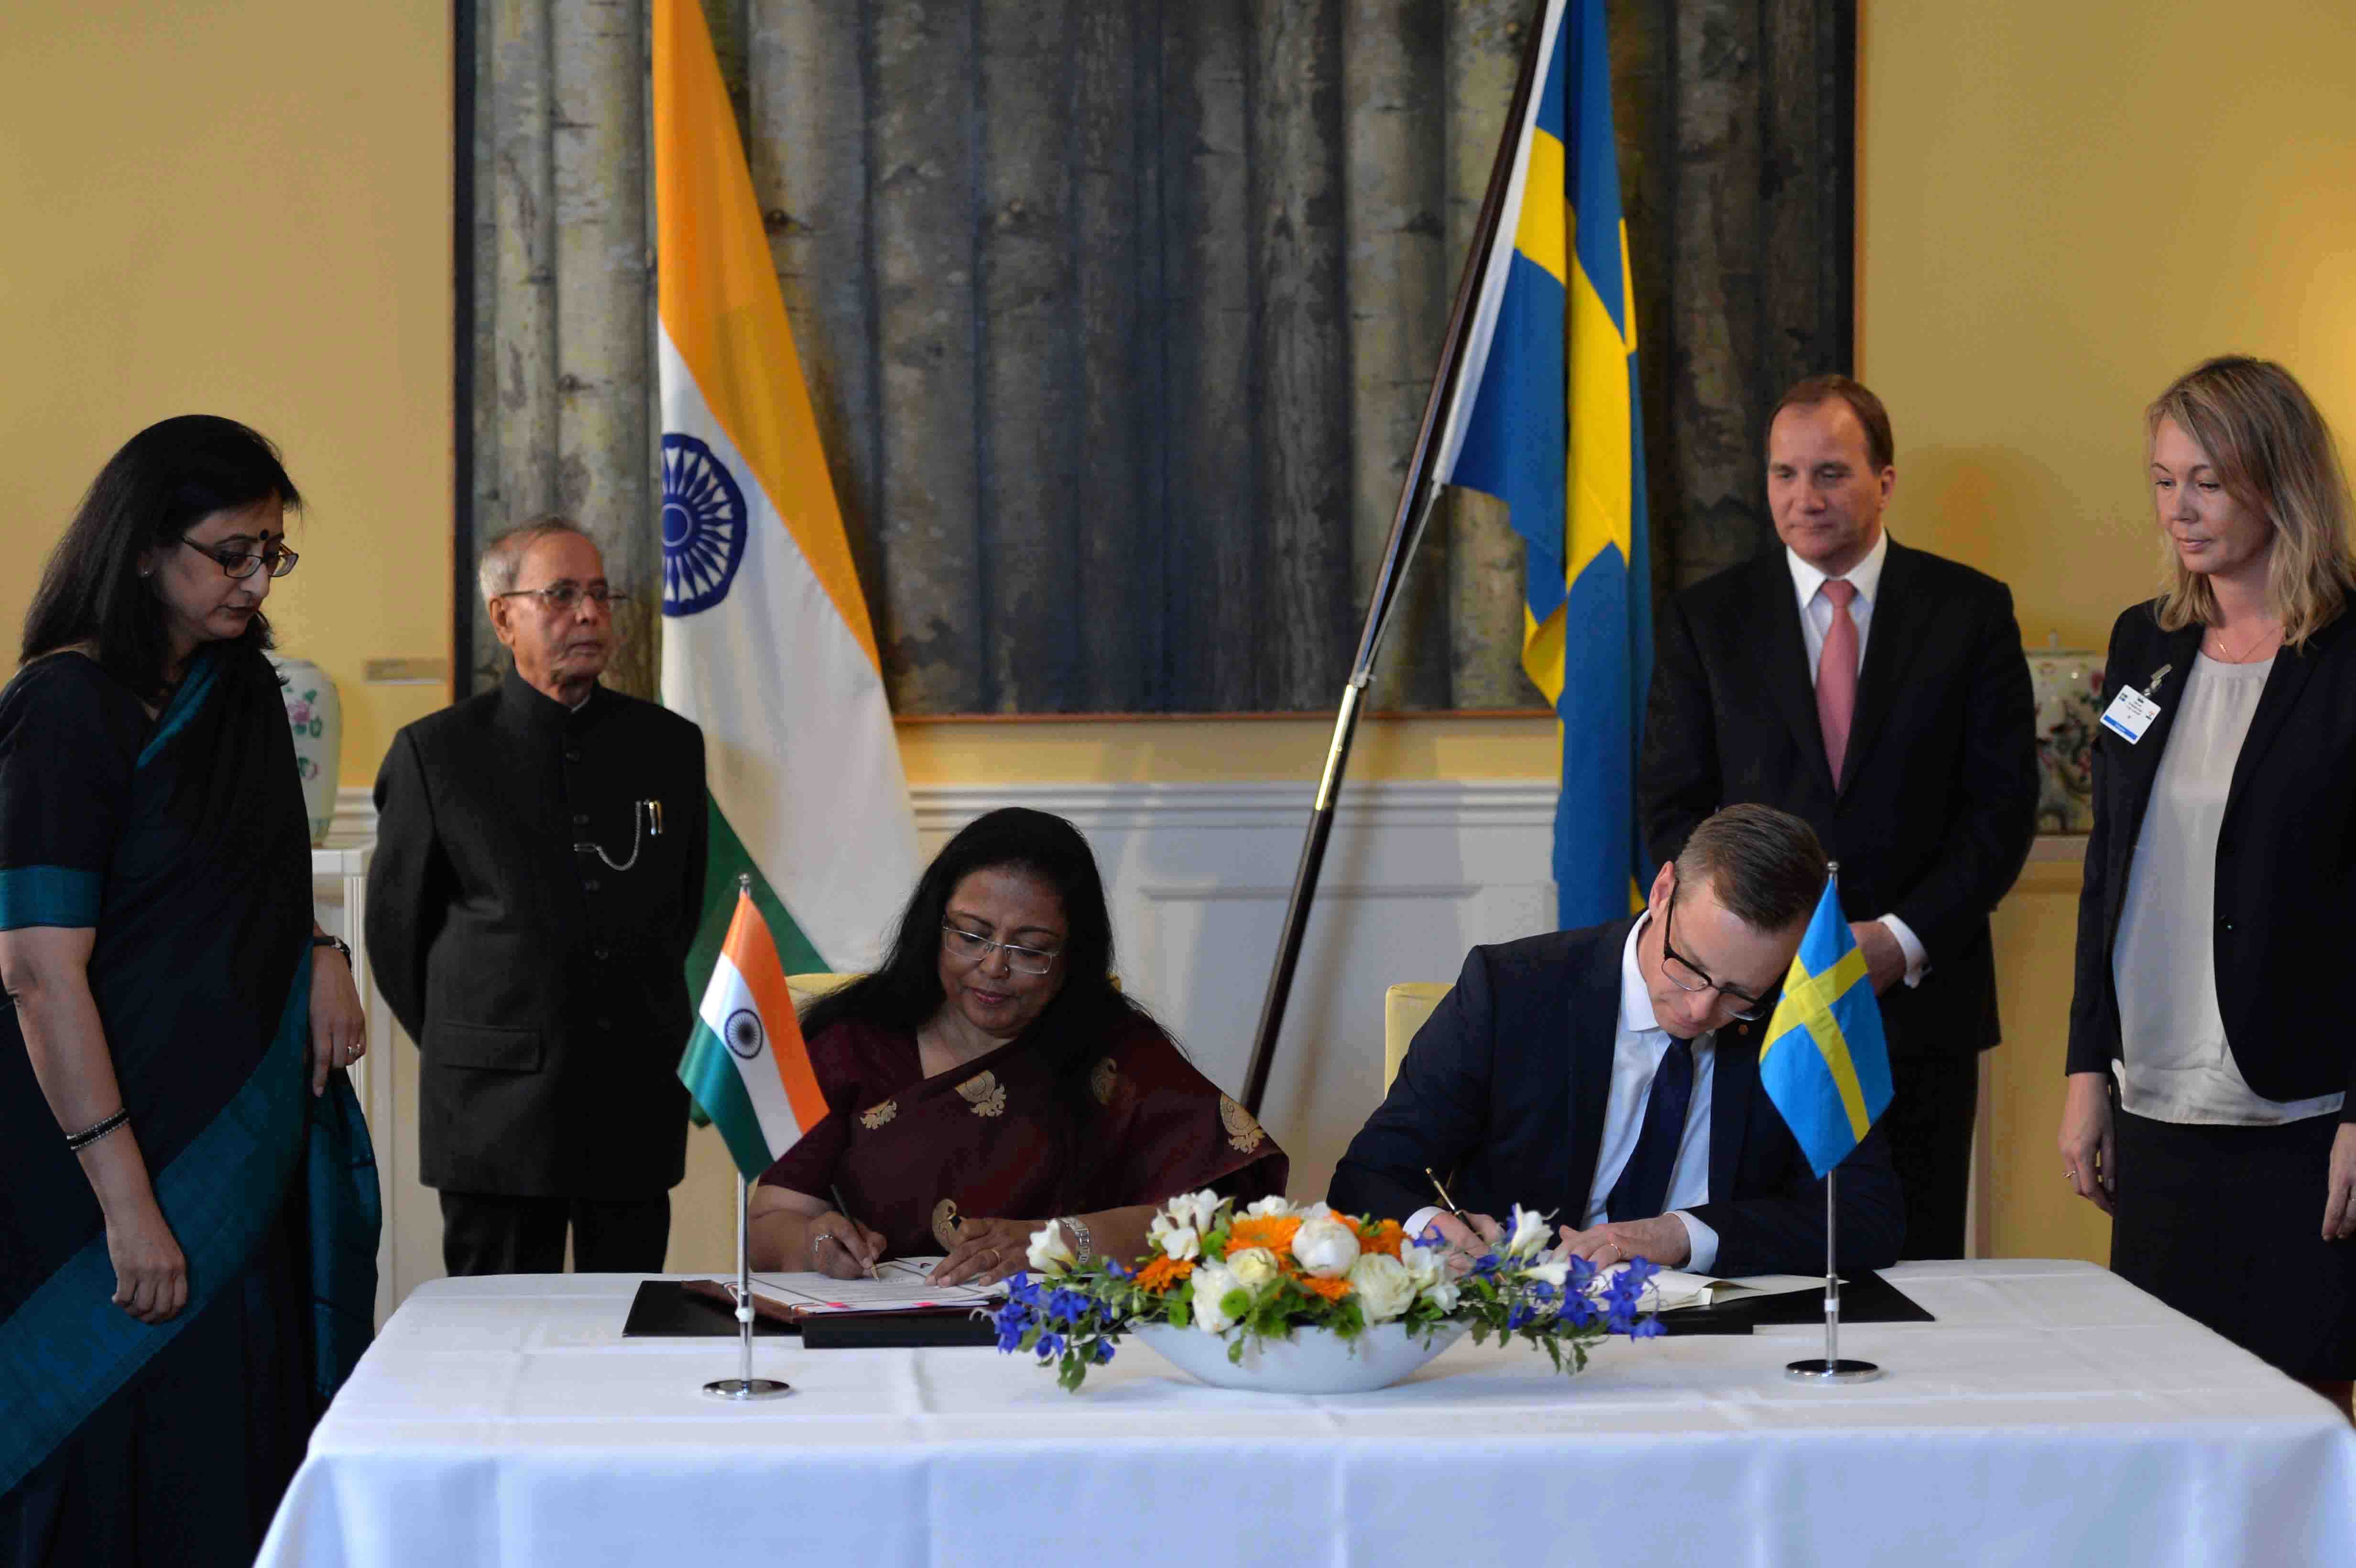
[165,480]
[1765,867]
[1879,448]
[906,990]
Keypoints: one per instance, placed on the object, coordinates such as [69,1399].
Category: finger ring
[2070,1175]
[825,1236]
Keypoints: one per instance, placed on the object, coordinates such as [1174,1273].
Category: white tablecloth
[2051,1414]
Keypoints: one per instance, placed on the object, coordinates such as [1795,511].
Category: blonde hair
[2275,456]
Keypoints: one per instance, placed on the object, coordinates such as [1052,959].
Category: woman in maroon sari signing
[991,1077]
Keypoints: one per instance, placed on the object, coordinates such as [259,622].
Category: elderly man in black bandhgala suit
[1880,693]
[538,880]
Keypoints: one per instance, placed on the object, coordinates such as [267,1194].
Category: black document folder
[666,1308]
[1866,1298]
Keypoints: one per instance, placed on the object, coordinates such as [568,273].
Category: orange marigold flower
[1382,1237]
[1163,1273]
[1274,1232]
[1331,1289]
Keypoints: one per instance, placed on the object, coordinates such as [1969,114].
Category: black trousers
[1933,1105]
[486,1233]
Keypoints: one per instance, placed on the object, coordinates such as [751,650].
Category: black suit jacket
[546,991]
[1503,1093]
[1933,818]
[2284,927]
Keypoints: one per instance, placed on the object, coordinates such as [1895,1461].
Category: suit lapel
[1594,1026]
[1896,636]
[1774,629]
[2283,683]
[1734,1073]
[2139,762]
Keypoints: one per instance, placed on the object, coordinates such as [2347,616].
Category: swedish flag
[1825,1063]
[1548,420]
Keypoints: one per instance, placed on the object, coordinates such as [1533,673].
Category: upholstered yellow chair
[1405,1007]
[808,988]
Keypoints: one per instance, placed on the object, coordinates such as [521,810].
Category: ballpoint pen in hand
[836,1193]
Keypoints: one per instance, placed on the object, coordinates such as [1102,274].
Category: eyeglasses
[972,947]
[1689,977]
[242,563]
[566,596]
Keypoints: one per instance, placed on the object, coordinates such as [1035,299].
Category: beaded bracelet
[97,1130]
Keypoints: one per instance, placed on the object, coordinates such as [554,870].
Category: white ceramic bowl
[1312,1361]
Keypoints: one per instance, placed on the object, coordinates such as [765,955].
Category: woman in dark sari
[188,1201]
[991,1077]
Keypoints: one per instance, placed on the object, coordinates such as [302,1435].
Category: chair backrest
[808,988]
[1405,1007]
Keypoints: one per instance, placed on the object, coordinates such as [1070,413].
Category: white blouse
[2174,1065]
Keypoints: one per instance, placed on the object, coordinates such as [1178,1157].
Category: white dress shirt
[1815,622]
[1639,1046]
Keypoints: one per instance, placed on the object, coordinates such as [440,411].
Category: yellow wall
[242,207]
[2060,208]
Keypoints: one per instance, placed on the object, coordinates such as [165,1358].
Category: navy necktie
[1643,1190]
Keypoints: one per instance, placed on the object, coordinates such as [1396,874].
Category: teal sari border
[65,1351]
[204,674]
[50,895]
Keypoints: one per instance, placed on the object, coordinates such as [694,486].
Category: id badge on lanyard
[2132,711]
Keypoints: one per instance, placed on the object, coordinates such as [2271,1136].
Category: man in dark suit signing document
[1880,693]
[1610,1077]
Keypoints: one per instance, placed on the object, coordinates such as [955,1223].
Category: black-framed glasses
[1689,977]
[565,597]
[241,563]
[972,947]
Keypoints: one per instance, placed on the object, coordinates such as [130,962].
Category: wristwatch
[337,943]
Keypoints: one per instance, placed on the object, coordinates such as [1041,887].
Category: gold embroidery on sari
[1243,1133]
[945,1224]
[1105,1082]
[875,1117]
[983,1092]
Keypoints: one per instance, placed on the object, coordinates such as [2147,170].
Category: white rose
[1385,1287]
[1424,1266]
[1178,1241]
[1442,1295]
[1325,1246]
[1255,1268]
[1317,1211]
[1049,1252]
[1555,1271]
[1531,1233]
[1196,1212]
[1268,1208]
[1212,1283]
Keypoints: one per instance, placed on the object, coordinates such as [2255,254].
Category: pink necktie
[1837,676]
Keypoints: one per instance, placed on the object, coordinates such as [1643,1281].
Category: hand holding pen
[1467,1236]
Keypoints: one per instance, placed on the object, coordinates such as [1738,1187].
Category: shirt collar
[534,709]
[1866,574]
[1637,1015]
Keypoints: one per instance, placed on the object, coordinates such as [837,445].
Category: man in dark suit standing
[1611,1077]
[1880,693]
[538,879]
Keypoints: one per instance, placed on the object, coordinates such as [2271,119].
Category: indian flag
[767,643]
[746,1065]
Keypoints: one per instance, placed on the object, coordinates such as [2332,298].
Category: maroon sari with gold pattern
[999,1138]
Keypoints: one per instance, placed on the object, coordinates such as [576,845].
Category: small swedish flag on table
[1825,1062]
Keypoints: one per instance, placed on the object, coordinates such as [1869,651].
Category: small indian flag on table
[745,1065]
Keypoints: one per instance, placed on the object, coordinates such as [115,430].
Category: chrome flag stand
[746,1385]
[1831,1368]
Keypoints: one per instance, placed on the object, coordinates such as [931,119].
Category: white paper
[1671,1289]
[900,1283]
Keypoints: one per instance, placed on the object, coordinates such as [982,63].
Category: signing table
[2052,1414]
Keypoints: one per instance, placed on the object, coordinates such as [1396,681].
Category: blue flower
[1104,1351]
[1648,1329]
[1050,1346]
[1068,1305]
[1021,1288]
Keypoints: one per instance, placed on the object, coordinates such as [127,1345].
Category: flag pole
[1832,1368]
[746,1385]
[1416,497]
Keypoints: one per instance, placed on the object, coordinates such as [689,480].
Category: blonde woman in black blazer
[2212,1103]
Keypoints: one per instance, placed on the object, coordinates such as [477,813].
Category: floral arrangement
[1261,1273]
